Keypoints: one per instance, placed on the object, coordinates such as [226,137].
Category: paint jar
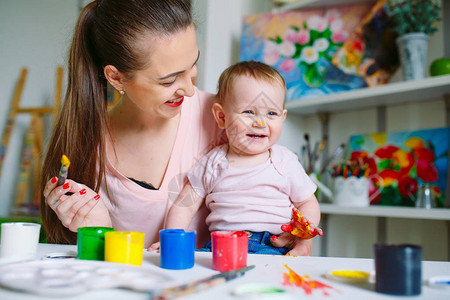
[19,240]
[177,249]
[124,247]
[352,191]
[398,269]
[229,250]
[91,242]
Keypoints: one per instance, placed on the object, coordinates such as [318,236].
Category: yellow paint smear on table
[350,274]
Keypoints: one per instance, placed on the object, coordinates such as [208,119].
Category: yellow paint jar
[124,247]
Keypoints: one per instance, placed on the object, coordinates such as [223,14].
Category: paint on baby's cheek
[307,284]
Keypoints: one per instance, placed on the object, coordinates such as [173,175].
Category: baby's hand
[154,246]
[301,227]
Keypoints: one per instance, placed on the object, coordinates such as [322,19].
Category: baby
[251,183]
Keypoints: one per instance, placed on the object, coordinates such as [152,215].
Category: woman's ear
[114,77]
[219,115]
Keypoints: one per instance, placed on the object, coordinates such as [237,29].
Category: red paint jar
[229,250]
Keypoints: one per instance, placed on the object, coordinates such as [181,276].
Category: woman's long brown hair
[107,32]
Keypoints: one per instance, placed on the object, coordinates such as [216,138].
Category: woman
[136,155]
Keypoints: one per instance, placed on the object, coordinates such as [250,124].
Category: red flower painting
[400,162]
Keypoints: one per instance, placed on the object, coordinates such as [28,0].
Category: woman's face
[161,87]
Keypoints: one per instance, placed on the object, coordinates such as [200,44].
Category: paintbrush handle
[62,175]
[198,285]
[330,160]
[189,289]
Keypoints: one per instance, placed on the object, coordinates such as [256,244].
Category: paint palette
[73,277]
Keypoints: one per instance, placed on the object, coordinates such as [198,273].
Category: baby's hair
[255,69]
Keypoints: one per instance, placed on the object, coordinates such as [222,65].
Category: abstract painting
[300,44]
[371,51]
[400,162]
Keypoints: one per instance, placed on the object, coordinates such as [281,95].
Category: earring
[122,92]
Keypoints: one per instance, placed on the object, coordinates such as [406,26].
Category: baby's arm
[305,216]
[184,208]
[182,211]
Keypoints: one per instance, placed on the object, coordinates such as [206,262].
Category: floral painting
[370,51]
[300,44]
[400,162]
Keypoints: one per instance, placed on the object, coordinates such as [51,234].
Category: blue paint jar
[177,249]
[398,269]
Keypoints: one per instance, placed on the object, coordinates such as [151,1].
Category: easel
[33,144]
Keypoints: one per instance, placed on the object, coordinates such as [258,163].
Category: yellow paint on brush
[65,161]
[350,274]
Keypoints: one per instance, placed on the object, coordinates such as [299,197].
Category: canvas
[371,51]
[300,44]
[400,162]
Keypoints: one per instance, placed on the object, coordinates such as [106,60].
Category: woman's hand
[82,208]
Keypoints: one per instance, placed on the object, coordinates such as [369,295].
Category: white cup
[19,240]
[352,191]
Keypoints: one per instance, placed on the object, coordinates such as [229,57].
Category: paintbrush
[65,163]
[321,146]
[308,149]
[318,148]
[332,157]
[198,285]
[313,157]
[304,158]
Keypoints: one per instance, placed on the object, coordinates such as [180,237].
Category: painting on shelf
[371,51]
[400,162]
[301,44]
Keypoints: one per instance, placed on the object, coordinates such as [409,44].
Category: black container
[398,269]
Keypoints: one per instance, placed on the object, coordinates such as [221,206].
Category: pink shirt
[134,208]
[254,198]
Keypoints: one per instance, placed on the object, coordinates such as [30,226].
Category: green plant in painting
[414,15]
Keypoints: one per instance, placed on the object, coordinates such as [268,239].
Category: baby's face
[254,115]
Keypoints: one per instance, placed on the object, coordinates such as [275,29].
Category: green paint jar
[91,242]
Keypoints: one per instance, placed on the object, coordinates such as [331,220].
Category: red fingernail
[274,237]
[54,179]
[66,186]
[97,197]
[83,191]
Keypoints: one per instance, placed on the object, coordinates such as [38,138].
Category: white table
[269,270]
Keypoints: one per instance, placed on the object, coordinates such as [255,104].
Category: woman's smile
[175,103]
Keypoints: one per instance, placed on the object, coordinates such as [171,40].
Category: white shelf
[316,4]
[392,93]
[387,211]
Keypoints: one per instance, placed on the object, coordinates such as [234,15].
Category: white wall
[218,32]
[34,34]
